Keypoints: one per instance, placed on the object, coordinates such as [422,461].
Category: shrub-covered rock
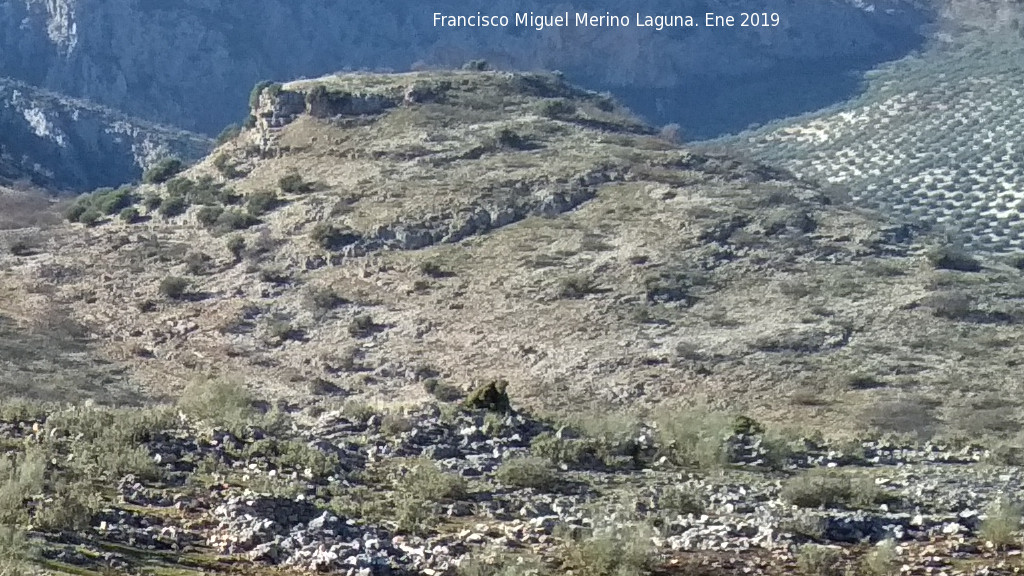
[492,396]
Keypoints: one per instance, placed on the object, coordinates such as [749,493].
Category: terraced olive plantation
[937,138]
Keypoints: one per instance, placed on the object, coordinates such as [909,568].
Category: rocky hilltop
[68,144]
[474,322]
[185,64]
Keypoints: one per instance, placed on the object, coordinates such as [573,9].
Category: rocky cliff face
[72,144]
[190,62]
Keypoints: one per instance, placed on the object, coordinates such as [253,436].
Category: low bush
[696,438]
[953,258]
[218,401]
[1002,524]
[234,219]
[426,482]
[626,550]
[129,215]
[261,202]
[331,237]
[815,560]
[172,206]
[208,215]
[162,171]
[527,472]
[174,287]
[294,184]
[819,488]
[362,326]
[229,133]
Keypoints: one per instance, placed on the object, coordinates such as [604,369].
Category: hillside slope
[336,299]
[470,226]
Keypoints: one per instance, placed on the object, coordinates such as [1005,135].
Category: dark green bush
[208,215]
[152,201]
[261,202]
[953,258]
[273,88]
[236,245]
[90,217]
[163,171]
[362,326]
[294,184]
[174,287]
[230,132]
[234,219]
[74,212]
[557,108]
[223,165]
[111,202]
[331,237]
[527,472]
[129,215]
[172,206]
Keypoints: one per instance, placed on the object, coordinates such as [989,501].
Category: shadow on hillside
[53,360]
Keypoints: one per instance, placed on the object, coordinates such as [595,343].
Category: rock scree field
[475,322]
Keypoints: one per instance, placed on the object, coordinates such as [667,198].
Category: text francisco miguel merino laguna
[585,19]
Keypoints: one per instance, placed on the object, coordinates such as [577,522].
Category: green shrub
[230,132]
[492,396]
[694,437]
[294,184]
[273,88]
[624,550]
[425,482]
[527,472]
[434,270]
[71,508]
[21,477]
[820,488]
[172,206]
[129,215]
[113,201]
[162,171]
[236,246]
[362,326]
[570,451]
[208,215]
[275,276]
[441,391]
[174,287]
[152,201]
[953,258]
[557,108]
[815,560]
[15,552]
[234,219]
[1002,524]
[881,560]
[321,299]
[678,500]
[223,164]
[331,237]
[76,209]
[261,202]
[90,217]
[217,401]
[197,263]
